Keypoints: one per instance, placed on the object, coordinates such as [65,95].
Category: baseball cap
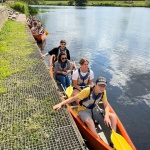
[101,80]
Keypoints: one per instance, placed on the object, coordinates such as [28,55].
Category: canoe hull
[30,26]
[39,37]
[94,142]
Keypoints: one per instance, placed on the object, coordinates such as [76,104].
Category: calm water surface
[116,42]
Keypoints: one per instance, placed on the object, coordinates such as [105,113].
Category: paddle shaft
[64,90]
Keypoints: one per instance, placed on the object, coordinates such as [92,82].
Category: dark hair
[63,41]
[35,23]
[59,56]
[82,61]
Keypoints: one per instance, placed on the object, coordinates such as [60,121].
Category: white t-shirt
[75,74]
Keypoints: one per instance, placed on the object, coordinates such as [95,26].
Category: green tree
[147,2]
[81,2]
[71,2]
[32,1]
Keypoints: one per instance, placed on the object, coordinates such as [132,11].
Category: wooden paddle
[119,142]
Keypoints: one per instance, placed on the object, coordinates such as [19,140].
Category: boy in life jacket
[56,51]
[82,77]
[86,107]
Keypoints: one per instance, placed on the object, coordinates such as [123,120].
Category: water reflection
[140,93]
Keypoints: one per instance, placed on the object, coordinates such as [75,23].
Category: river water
[116,42]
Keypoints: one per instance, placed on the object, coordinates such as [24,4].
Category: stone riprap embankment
[3,15]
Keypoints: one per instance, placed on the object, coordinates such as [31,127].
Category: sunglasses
[63,44]
[63,58]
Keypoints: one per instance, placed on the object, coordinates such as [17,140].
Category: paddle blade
[69,91]
[46,32]
[119,142]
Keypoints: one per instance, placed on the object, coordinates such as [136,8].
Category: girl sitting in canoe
[62,70]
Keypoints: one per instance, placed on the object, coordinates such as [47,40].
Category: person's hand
[64,73]
[68,71]
[107,121]
[57,107]
[43,56]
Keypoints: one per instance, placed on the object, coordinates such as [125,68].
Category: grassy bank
[103,3]
[25,109]
[12,49]
[27,94]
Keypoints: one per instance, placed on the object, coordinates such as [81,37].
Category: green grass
[103,3]
[13,49]
[64,3]
[26,119]
[117,3]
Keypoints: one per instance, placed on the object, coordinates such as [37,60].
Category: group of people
[86,93]
[61,62]
[35,25]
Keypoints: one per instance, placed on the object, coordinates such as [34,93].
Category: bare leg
[113,120]
[90,123]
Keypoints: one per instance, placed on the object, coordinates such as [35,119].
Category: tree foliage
[147,3]
[81,2]
[32,1]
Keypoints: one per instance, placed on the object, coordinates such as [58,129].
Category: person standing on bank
[82,77]
[89,97]
[62,70]
[56,51]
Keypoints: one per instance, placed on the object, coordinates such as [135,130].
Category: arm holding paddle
[106,116]
[118,141]
[109,118]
